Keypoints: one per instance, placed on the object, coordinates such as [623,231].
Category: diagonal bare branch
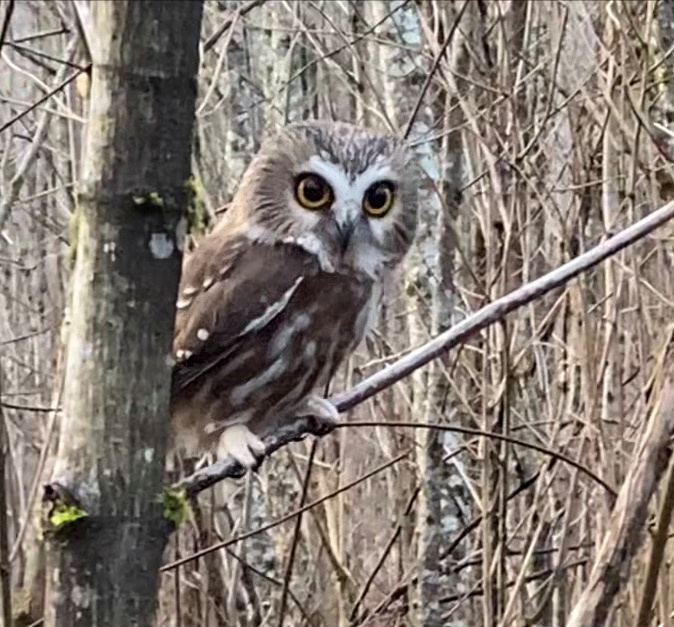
[451,338]
[245,9]
[625,532]
[500,308]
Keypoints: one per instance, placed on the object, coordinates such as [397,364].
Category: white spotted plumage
[274,299]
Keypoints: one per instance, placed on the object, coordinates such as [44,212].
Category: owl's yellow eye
[378,199]
[312,192]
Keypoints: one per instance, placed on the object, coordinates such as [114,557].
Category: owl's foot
[242,444]
[322,410]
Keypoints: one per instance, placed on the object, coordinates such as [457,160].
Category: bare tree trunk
[105,522]
[443,500]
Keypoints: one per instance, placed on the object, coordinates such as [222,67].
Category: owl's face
[345,193]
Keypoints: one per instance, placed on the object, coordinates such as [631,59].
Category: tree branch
[230,468]
[626,528]
[246,8]
[419,357]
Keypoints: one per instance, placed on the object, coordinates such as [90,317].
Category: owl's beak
[345,230]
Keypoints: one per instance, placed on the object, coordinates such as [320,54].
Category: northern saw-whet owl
[285,286]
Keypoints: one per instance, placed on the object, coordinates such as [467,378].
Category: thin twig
[400,589]
[287,517]
[384,554]
[434,67]
[256,571]
[296,536]
[486,434]
[247,8]
[44,98]
[27,51]
[84,24]
[41,35]
[338,49]
[41,462]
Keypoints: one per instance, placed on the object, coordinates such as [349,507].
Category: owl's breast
[277,364]
[322,324]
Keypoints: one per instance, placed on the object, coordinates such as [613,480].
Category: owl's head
[346,193]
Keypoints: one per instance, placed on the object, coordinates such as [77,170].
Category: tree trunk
[105,524]
[444,502]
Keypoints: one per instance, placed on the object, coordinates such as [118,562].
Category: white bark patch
[86,350]
[148,454]
[161,246]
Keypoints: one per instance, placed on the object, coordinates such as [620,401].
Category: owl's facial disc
[348,214]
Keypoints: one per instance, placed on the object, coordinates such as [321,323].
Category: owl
[287,283]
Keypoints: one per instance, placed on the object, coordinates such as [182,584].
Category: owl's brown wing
[230,287]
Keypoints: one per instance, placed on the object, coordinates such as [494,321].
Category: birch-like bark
[443,503]
[104,518]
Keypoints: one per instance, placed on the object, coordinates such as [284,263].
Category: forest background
[543,128]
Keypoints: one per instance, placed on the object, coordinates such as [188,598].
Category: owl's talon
[243,445]
[323,411]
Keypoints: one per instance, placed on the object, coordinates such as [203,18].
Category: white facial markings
[314,246]
[349,195]
[366,253]
[367,259]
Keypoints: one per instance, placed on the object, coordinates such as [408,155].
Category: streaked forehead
[352,149]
